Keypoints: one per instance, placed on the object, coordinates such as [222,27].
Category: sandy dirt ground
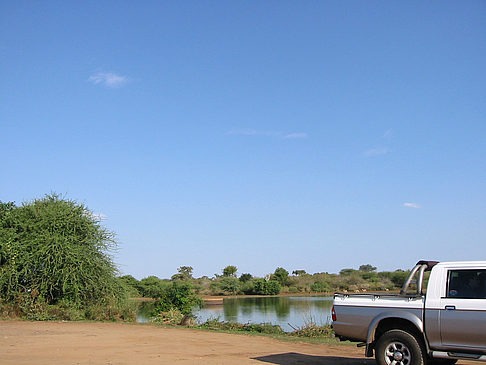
[65,343]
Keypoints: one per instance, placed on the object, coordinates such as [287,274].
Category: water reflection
[145,311]
[287,312]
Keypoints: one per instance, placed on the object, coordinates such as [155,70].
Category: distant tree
[299,272]
[398,278]
[130,280]
[183,273]
[230,285]
[320,287]
[347,272]
[245,277]
[131,285]
[152,287]
[273,287]
[263,287]
[281,275]
[230,270]
[367,268]
[369,275]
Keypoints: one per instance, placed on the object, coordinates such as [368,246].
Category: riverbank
[81,343]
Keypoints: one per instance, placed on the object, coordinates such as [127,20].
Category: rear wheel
[397,347]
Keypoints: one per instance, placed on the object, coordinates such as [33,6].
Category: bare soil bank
[56,343]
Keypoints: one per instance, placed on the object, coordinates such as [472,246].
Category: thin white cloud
[295,135]
[412,205]
[108,79]
[275,134]
[376,151]
[388,134]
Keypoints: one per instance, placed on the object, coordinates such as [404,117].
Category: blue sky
[314,135]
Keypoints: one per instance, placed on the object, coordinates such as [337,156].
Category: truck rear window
[466,284]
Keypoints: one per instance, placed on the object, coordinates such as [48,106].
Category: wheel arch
[394,320]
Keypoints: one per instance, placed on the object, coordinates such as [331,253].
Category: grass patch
[310,332]
[265,328]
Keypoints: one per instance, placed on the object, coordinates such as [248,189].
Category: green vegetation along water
[285,311]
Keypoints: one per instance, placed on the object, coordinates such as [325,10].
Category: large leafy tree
[56,249]
[230,270]
[183,273]
[281,275]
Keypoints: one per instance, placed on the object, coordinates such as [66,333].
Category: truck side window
[466,284]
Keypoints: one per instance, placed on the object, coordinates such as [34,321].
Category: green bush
[262,287]
[152,287]
[226,285]
[320,286]
[172,317]
[178,296]
[281,275]
[245,277]
[54,251]
[398,278]
[131,284]
[293,289]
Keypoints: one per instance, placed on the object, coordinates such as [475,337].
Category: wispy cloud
[412,205]
[108,79]
[295,135]
[376,151]
[388,134]
[275,134]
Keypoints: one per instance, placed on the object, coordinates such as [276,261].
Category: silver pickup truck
[438,325]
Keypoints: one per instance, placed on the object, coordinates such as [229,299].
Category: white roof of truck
[462,263]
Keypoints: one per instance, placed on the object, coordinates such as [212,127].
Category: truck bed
[353,324]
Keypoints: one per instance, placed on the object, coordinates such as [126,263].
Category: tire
[397,347]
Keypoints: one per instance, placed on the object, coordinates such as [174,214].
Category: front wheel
[397,347]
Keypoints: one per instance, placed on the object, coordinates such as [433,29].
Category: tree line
[365,278]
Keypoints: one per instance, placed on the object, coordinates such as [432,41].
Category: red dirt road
[55,343]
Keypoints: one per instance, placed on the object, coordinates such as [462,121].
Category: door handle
[450,307]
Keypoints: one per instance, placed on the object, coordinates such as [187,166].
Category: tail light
[333,314]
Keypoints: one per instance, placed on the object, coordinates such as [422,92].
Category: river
[286,311]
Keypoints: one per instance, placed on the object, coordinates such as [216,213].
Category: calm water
[284,311]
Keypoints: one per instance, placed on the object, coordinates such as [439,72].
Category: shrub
[226,285]
[152,287]
[131,284]
[398,278]
[178,296]
[273,287]
[245,277]
[262,287]
[320,286]
[293,289]
[172,317]
[52,251]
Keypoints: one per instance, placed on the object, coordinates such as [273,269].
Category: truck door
[463,310]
